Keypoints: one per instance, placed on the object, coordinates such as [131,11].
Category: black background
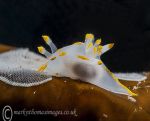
[125,22]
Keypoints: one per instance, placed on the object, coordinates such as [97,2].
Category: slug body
[82,61]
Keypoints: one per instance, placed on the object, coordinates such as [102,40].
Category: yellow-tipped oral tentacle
[41,49]
[49,42]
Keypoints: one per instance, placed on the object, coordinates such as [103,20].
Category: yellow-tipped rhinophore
[89,36]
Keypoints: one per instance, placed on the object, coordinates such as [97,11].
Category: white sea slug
[82,61]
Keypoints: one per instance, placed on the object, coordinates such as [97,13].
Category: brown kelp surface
[90,102]
[4,48]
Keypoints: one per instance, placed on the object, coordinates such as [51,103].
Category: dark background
[125,22]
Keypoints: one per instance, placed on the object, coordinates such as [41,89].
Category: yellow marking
[89,45]
[62,53]
[95,50]
[98,41]
[82,57]
[110,45]
[116,79]
[40,49]
[99,62]
[53,58]
[46,38]
[89,36]
[78,43]
[100,47]
[42,67]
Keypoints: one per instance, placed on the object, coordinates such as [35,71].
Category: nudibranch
[82,61]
